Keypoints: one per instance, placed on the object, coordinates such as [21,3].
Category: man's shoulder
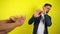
[49,16]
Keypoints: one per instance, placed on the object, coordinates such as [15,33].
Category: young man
[11,23]
[41,20]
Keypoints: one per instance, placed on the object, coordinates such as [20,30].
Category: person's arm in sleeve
[31,20]
[48,20]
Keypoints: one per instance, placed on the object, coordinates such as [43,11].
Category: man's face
[46,9]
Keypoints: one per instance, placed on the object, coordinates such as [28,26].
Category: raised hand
[37,13]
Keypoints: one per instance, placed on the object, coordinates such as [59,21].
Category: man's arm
[48,20]
[6,27]
[34,17]
[31,20]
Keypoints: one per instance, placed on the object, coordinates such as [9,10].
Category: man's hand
[18,20]
[44,11]
[37,14]
[8,25]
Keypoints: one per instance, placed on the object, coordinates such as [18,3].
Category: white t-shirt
[41,26]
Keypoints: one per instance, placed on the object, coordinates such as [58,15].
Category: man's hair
[48,5]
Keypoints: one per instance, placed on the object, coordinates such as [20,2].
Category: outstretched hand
[18,20]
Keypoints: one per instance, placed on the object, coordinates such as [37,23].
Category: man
[41,20]
[11,23]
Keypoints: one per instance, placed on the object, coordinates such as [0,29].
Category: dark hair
[48,5]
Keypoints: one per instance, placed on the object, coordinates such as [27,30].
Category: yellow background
[17,7]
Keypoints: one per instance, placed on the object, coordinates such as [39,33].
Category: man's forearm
[10,28]
[31,20]
[4,25]
[48,20]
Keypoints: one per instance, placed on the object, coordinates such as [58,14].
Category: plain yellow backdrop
[17,7]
